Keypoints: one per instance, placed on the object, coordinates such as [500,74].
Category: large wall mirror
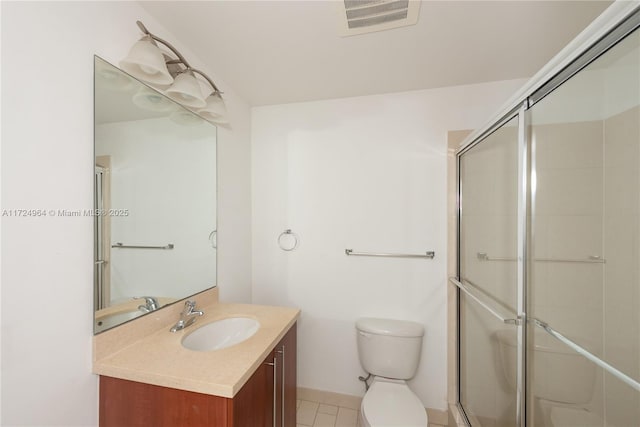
[155,199]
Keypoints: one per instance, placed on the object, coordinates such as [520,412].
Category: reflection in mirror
[155,199]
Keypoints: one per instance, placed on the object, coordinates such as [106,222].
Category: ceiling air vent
[366,16]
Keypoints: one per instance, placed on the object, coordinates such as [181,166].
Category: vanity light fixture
[215,110]
[172,74]
[146,62]
[186,91]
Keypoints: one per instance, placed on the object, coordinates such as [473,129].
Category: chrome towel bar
[123,246]
[593,259]
[428,254]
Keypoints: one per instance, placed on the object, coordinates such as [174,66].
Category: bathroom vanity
[236,365]
[147,377]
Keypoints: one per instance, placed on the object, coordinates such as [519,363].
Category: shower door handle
[518,320]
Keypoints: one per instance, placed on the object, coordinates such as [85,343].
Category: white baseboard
[438,416]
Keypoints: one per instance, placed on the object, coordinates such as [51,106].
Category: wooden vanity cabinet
[272,387]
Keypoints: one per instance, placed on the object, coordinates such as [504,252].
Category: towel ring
[213,239]
[288,248]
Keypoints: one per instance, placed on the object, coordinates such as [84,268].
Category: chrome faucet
[187,317]
[150,304]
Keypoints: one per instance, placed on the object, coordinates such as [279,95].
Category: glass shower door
[488,273]
[584,286]
[549,249]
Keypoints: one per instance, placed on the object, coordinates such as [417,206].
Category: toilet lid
[393,404]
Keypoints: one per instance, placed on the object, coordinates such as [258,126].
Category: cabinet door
[271,388]
[253,405]
[134,404]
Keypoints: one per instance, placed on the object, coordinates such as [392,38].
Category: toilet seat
[392,403]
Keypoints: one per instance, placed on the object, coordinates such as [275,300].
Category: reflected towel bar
[467,291]
[428,254]
[595,359]
[593,259]
[122,246]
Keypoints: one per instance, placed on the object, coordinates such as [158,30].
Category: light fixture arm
[180,60]
[215,88]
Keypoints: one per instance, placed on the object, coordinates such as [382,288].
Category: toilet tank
[389,348]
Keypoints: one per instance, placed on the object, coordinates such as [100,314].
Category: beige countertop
[130,305]
[159,358]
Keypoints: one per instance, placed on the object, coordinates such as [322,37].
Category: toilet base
[390,403]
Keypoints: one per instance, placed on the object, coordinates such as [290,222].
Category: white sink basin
[221,334]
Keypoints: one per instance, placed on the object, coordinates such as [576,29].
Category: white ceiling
[274,52]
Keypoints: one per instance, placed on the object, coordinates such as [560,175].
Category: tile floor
[315,414]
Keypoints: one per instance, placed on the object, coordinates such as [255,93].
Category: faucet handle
[187,317]
[189,306]
[150,303]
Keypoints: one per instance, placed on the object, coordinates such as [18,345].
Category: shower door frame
[523,206]
[613,25]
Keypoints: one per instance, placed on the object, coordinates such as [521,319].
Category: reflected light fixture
[150,100]
[185,118]
[113,79]
[173,75]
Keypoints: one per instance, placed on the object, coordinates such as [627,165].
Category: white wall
[367,173]
[47,163]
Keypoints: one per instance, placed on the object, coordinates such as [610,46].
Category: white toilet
[563,382]
[390,351]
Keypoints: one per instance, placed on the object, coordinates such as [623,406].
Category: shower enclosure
[548,257]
